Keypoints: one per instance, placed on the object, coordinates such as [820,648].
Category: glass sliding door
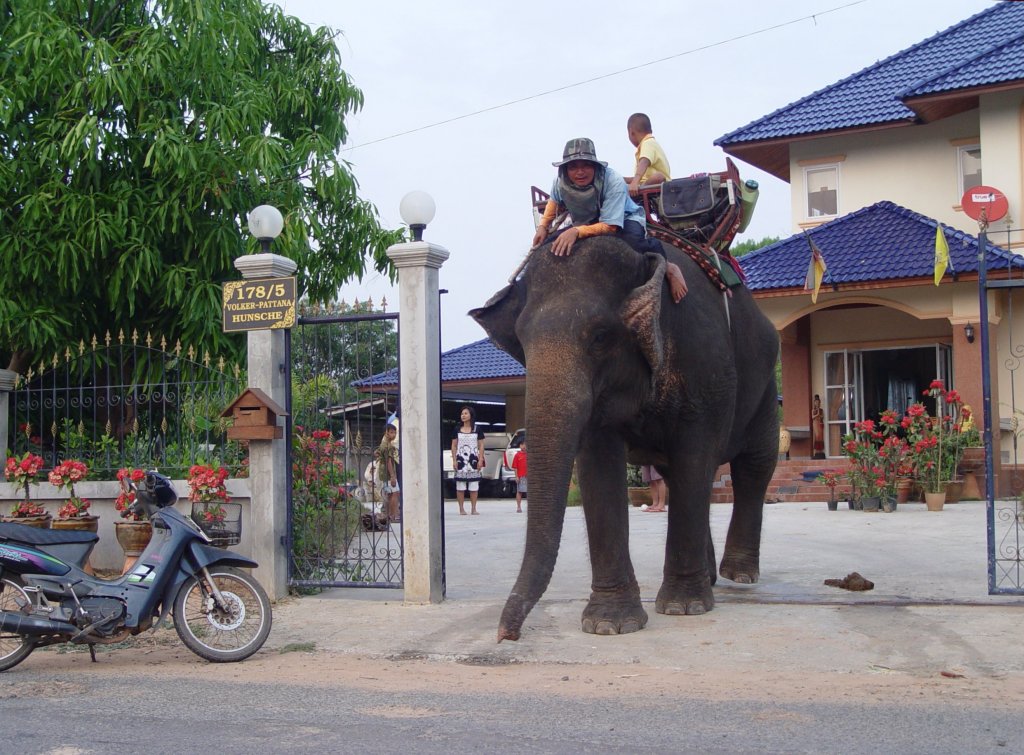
[844,405]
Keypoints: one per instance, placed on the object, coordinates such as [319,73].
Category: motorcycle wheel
[217,635]
[14,648]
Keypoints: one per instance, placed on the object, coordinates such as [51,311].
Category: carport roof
[480,360]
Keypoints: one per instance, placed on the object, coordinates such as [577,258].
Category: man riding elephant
[598,203]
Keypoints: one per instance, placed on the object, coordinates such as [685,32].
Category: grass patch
[298,647]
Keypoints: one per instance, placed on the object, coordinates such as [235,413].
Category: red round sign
[992,201]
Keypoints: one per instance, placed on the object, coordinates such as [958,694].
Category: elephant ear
[498,317]
[641,312]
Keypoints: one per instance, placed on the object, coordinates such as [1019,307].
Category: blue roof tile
[1002,63]
[480,360]
[881,242]
[873,95]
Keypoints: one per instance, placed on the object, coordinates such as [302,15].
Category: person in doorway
[387,473]
[468,458]
[519,467]
[598,204]
[651,166]
[659,491]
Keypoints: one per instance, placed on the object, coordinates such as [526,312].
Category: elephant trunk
[555,412]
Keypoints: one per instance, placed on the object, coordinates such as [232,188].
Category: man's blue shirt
[616,205]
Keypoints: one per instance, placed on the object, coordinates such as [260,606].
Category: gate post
[419,370]
[268,459]
[7,378]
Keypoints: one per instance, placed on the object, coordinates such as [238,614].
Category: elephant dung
[852,581]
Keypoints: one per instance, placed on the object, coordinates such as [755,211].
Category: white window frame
[810,169]
[960,151]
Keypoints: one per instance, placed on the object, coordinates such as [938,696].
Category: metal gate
[338,530]
[1005,510]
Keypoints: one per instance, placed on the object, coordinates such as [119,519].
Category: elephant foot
[614,613]
[743,571]
[677,600]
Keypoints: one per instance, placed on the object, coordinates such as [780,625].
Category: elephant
[615,370]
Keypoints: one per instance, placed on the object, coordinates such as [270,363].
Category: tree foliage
[745,247]
[134,137]
[328,358]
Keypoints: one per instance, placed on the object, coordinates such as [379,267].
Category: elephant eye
[601,337]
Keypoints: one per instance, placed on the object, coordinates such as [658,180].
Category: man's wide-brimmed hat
[579,149]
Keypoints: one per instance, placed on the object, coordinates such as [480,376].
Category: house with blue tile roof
[876,162]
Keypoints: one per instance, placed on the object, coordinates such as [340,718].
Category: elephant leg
[614,606]
[689,553]
[752,472]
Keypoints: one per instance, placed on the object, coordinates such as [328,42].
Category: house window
[968,158]
[822,182]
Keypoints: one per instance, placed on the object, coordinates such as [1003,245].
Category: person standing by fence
[468,458]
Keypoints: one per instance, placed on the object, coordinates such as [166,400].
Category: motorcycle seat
[35,536]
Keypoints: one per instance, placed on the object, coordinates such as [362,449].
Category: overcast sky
[720,66]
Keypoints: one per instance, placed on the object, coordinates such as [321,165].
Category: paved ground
[929,612]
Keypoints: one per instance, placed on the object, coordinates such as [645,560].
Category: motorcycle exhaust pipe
[19,623]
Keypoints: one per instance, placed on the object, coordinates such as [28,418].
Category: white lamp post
[419,371]
[266,224]
[417,210]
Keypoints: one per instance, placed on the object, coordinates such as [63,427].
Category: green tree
[328,358]
[134,137]
[745,247]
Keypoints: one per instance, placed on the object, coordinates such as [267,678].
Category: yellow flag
[816,270]
[941,253]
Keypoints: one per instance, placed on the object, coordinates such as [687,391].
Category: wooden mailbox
[255,415]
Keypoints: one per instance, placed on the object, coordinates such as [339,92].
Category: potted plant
[867,466]
[830,479]
[134,533]
[972,455]
[925,434]
[23,472]
[74,514]
[638,491]
[210,504]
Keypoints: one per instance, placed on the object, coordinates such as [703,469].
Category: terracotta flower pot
[935,501]
[133,537]
[42,522]
[639,496]
[903,487]
[79,523]
[954,490]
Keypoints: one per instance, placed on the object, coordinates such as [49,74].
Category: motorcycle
[220,612]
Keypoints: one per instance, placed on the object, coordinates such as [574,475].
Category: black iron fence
[121,402]
[342,532]
[1005,507]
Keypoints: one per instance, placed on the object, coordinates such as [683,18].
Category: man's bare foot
[462,512]
[474,513]
[676,282]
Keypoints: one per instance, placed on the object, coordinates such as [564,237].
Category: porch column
[796,385]
[419,371]
[268,459]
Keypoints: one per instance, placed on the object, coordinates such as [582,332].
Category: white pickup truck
[497,480]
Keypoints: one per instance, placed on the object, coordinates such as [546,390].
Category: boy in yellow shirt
[651,162]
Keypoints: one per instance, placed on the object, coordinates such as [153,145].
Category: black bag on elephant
[684,200]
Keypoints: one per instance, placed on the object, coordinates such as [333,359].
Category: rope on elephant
[698,256]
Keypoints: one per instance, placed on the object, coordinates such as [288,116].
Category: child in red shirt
[519,466]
